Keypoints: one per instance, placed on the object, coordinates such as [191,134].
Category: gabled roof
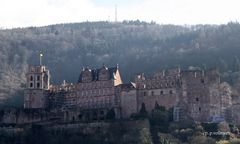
[128,86]
[112,72]
[95,73]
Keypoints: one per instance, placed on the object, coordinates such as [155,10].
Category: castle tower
[38,80]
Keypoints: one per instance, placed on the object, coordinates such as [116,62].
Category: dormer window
[86,76]
[103,74]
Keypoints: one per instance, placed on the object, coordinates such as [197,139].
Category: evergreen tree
[143,111]
[236,66]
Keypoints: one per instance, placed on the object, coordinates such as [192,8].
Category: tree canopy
[136,46]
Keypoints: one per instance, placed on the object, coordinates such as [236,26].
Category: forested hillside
[136,46]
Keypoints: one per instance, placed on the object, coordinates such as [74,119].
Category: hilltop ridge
[136,46]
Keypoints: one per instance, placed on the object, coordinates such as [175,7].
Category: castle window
[197,99]
[102,112]
[144,93]
[161,92]
[31,85]
[199,109]
[202,81]
[38,85]
[38,78]
[144,86]
[31,78]
[171,92]
[152,93]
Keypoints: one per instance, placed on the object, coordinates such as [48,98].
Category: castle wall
[201,93]
[163,88]
[99,90]
[38,80]
[84,115]
[167,97]
[128,100]
[97,94]
[36,98]
[24,116]
[196,92]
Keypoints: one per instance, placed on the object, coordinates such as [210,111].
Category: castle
[192,93]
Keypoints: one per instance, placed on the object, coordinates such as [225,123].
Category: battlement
[37,69]
[63,87]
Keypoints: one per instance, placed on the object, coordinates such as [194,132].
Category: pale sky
[23,13]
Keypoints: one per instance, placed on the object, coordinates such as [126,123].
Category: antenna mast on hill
[115,13]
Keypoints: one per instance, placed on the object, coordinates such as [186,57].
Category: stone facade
[193,93]
[162,88]
[38,80]
[128,100]
[22,116]
[201,94]
[96,89]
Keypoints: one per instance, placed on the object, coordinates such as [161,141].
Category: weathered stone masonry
[193,93]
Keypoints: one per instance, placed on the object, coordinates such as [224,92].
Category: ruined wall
[128,104]
[167,97]
[234,113]
[215,102]
[163,88]
[202,93]
[226,98]
[96,94]
[84,115]
[196,93]
[35,98]
[23,116]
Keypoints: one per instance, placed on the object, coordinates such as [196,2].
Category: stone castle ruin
[192,93]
